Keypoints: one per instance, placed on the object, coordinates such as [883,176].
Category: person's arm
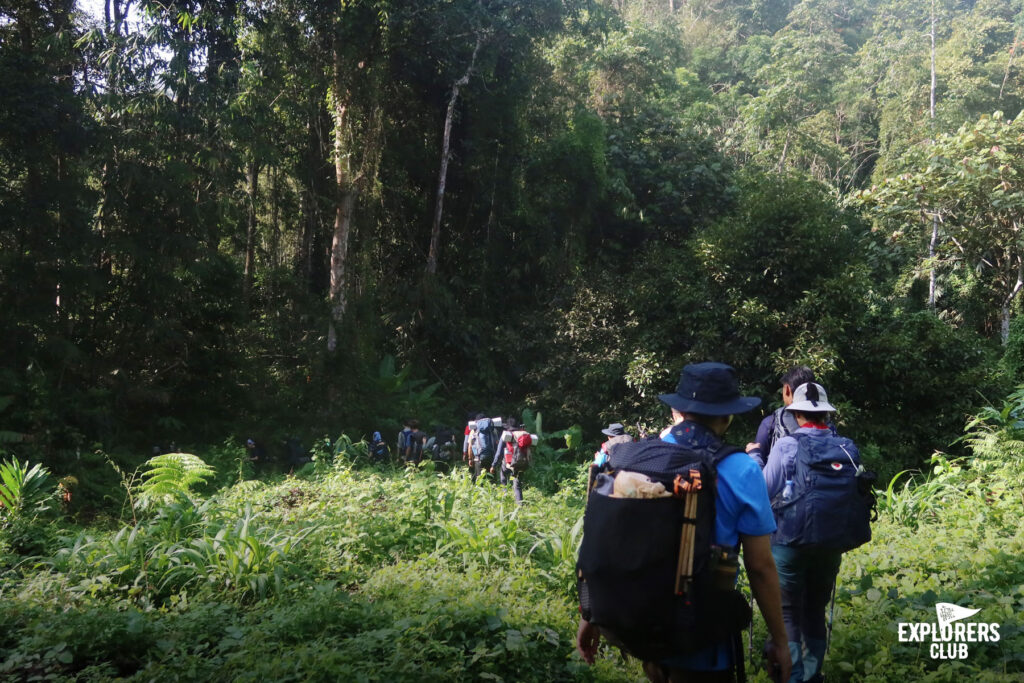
[758,448]
[764,584]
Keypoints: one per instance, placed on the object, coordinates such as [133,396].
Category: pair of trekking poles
[831,618]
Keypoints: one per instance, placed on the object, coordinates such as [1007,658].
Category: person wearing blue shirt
[705,401]
[806,575]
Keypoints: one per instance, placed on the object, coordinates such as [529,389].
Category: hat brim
[811,407]
[739,405]
[609,432]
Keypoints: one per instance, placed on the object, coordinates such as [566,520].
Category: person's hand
[587,639]
[753,446]
[779,663]
[490,470]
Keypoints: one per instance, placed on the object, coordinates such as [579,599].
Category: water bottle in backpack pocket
[830,501]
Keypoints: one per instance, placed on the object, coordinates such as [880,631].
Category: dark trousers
[656,673]
[806,578]
[517,485]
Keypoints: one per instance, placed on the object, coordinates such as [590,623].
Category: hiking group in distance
[668,518]
[489,444]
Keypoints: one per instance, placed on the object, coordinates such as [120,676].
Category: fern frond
[171,476]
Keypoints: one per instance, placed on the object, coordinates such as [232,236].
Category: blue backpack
[831,502]
[485,441]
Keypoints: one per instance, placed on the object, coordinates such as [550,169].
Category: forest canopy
[290,216]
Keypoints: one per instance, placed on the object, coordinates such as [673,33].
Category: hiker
[402,442]
[469,435]
[779,423]
[485,442]
[512,457]
[816,523]
[256,452]
[297,455]
[440,447]
[706,398]
[414,439]
[379,449]
[616,434]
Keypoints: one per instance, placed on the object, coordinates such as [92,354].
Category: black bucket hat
[709,389]
[614,429]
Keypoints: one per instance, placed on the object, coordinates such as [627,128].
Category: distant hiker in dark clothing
[706,398]
[379,450]
[414,439]
[297,455]
[779,423]
[257,453]
[616,434]
[817,486]
[402,442]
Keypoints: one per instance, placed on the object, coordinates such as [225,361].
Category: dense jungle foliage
[221,218]
[287,219]
[353,571]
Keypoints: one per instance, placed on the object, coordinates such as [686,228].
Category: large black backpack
[630,556]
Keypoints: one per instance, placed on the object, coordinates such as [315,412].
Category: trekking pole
[750,631]
[831,614]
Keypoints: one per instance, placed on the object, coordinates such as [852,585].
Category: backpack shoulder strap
[723,452]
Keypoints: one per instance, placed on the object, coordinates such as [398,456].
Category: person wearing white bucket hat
[810,476]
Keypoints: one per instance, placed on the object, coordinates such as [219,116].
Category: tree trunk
[1004,331]
[339,263]
[935,217]
[275,217]
[252,175]
[345,196]
[931,259]
[442,176]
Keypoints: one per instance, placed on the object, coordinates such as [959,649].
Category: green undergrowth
[374,574]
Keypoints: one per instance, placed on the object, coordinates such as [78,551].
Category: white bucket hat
[810,398]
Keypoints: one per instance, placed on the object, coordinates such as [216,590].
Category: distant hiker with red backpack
[658,562]
[822,502]
[469,435]
[781,422]
[513,457]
